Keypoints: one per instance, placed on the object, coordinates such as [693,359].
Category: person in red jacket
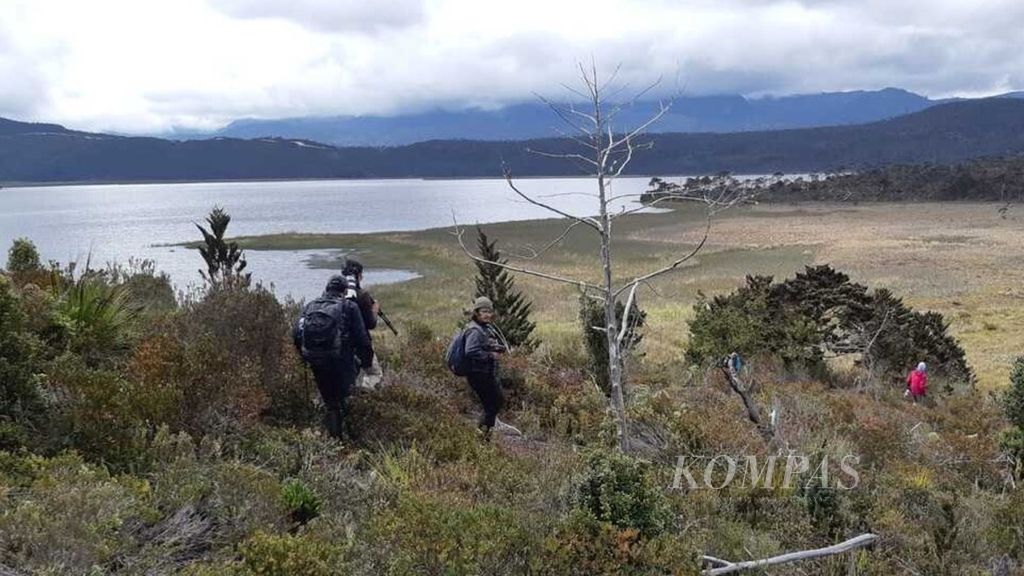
[917,382]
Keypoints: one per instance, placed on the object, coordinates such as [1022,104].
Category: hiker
[482,350]
[917,383]
[371,374]
[353,273]
[734,363]
[331,337]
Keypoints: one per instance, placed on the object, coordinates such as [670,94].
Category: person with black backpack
[331,337]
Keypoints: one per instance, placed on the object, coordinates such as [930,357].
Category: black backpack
[324,329]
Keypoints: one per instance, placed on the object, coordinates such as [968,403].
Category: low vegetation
[142,434]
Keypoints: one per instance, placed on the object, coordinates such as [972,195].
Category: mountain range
[942,133]
[728,113]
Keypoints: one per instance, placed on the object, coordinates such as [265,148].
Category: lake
[111,223]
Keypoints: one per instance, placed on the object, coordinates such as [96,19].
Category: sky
[152,66]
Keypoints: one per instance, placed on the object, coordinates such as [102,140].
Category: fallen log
[719,566]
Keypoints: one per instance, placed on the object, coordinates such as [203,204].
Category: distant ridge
[727,113]
[944,133]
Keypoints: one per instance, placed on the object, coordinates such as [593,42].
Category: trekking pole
[305,382]
[387,321]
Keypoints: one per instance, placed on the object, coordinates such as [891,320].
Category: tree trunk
[615,378]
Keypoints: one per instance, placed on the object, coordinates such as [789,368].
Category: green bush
[285,555]
[1014,400]
[21,406]
[424,535]
[227,360]
[1008,525]
[150,290]
[23,256]
[591,315]
[400,415]
[821,311]
[301,500]
[620,490]
[237,499]
[71,516]
[98,414]
[585,546]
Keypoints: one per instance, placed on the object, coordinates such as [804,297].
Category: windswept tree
[22,256]
[604,152]
[496,283]
[225,262]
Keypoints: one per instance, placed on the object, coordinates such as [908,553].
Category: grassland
[965,260]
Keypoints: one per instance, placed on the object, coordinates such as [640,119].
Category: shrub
[150,290]
[1014,400]
[584,546]
[751,323]
[1012,444]
[21,406]
[71,517]
[98,414]
[620,490]
[1008,525]
[228,358]
[402,416]
[285,555]
[301,500]
[23,256]
[423,535]
[820,311]
[237,499]
[591,315]
[562,400]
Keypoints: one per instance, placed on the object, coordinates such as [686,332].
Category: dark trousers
[487,389]
[334,380]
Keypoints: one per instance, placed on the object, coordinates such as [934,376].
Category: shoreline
[22,185]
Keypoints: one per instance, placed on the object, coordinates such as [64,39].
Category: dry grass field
[965,260]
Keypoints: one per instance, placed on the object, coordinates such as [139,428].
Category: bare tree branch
[537,254]
[562,156]
[459,232]
[585,220]
[625,314]
[766,430]
[673,265]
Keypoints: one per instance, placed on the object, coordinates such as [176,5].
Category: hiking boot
[333,421]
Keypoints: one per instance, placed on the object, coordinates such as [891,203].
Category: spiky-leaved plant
[512,311]
[225,262]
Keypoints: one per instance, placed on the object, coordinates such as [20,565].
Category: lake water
[111,223]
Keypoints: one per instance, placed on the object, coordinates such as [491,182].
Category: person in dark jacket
[335,369]
[482,352]
[353,273]
[370,375]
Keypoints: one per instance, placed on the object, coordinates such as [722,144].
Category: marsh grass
[964,260]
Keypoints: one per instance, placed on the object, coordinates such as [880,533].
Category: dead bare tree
[604,154]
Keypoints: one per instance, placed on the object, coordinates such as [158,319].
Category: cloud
[330,15]
[24,88]
[146,67]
